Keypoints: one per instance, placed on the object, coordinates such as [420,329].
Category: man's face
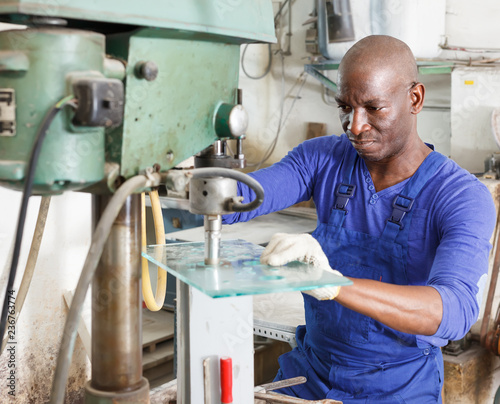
[376,113]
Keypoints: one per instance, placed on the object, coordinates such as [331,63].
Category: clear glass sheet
[239,271]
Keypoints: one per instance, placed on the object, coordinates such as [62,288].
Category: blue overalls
[348,356]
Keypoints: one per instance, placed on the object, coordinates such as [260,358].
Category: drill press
[148,81]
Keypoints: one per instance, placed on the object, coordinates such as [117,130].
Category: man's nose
[357,122]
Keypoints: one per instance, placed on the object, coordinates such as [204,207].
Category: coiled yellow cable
[153,302]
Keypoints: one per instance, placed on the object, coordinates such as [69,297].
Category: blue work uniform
[351,357]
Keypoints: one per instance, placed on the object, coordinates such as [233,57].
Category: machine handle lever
[233,205]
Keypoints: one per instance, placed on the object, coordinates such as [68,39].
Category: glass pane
[239,271]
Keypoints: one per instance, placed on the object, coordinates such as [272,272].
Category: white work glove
[284,248]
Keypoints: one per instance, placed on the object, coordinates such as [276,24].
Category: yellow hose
[153,302]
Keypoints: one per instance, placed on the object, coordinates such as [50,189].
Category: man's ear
[417,95]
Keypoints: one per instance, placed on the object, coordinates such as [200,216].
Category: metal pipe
[99,239]
[213,228]
[239,149]
[491,291]
[116,304]
[289,34]
[276,16]
[183,344]
[218,148]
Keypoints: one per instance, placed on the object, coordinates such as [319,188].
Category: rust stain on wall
[35,364]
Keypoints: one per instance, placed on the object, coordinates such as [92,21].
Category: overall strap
[345,190]
[403,202]
[350,157]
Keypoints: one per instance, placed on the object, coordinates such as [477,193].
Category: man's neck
[391,172]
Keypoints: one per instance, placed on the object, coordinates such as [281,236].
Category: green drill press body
[195,46]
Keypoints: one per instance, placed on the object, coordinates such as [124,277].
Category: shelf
[239,272]
[424,67]
[435,67]
[314,69]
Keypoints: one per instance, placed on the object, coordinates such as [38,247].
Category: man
[408,226]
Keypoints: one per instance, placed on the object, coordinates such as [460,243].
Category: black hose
[270,55]
[268,67]
[28,186]
[234,205]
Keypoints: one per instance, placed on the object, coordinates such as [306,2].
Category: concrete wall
[39,328]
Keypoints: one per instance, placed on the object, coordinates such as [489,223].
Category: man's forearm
[409,309]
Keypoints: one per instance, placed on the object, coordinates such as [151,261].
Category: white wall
[262,98]
[473,25]
[465,26]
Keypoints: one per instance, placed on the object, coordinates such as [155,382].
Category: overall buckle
[401,206]
[343,193]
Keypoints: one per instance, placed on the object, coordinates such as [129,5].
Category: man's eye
[342,107]
[374,108]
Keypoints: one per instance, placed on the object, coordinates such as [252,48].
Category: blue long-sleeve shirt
[453,219]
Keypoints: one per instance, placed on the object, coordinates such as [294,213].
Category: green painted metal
[221,124]
[171,118]
[435,67]
[195,45]
[14,61]
[424,67]
[38,74]
[314,70]
[326,65]
[244,20]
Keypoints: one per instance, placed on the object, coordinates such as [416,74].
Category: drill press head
[153,85]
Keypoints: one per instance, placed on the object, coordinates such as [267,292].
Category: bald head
[379,97]
[380,54]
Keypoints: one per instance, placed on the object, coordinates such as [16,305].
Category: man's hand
[284,248]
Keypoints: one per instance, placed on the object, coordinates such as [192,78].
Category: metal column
[116,312]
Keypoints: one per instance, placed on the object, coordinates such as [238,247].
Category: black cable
[269,52]
[28,185]
[268,68]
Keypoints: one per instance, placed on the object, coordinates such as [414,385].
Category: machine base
[139,396]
